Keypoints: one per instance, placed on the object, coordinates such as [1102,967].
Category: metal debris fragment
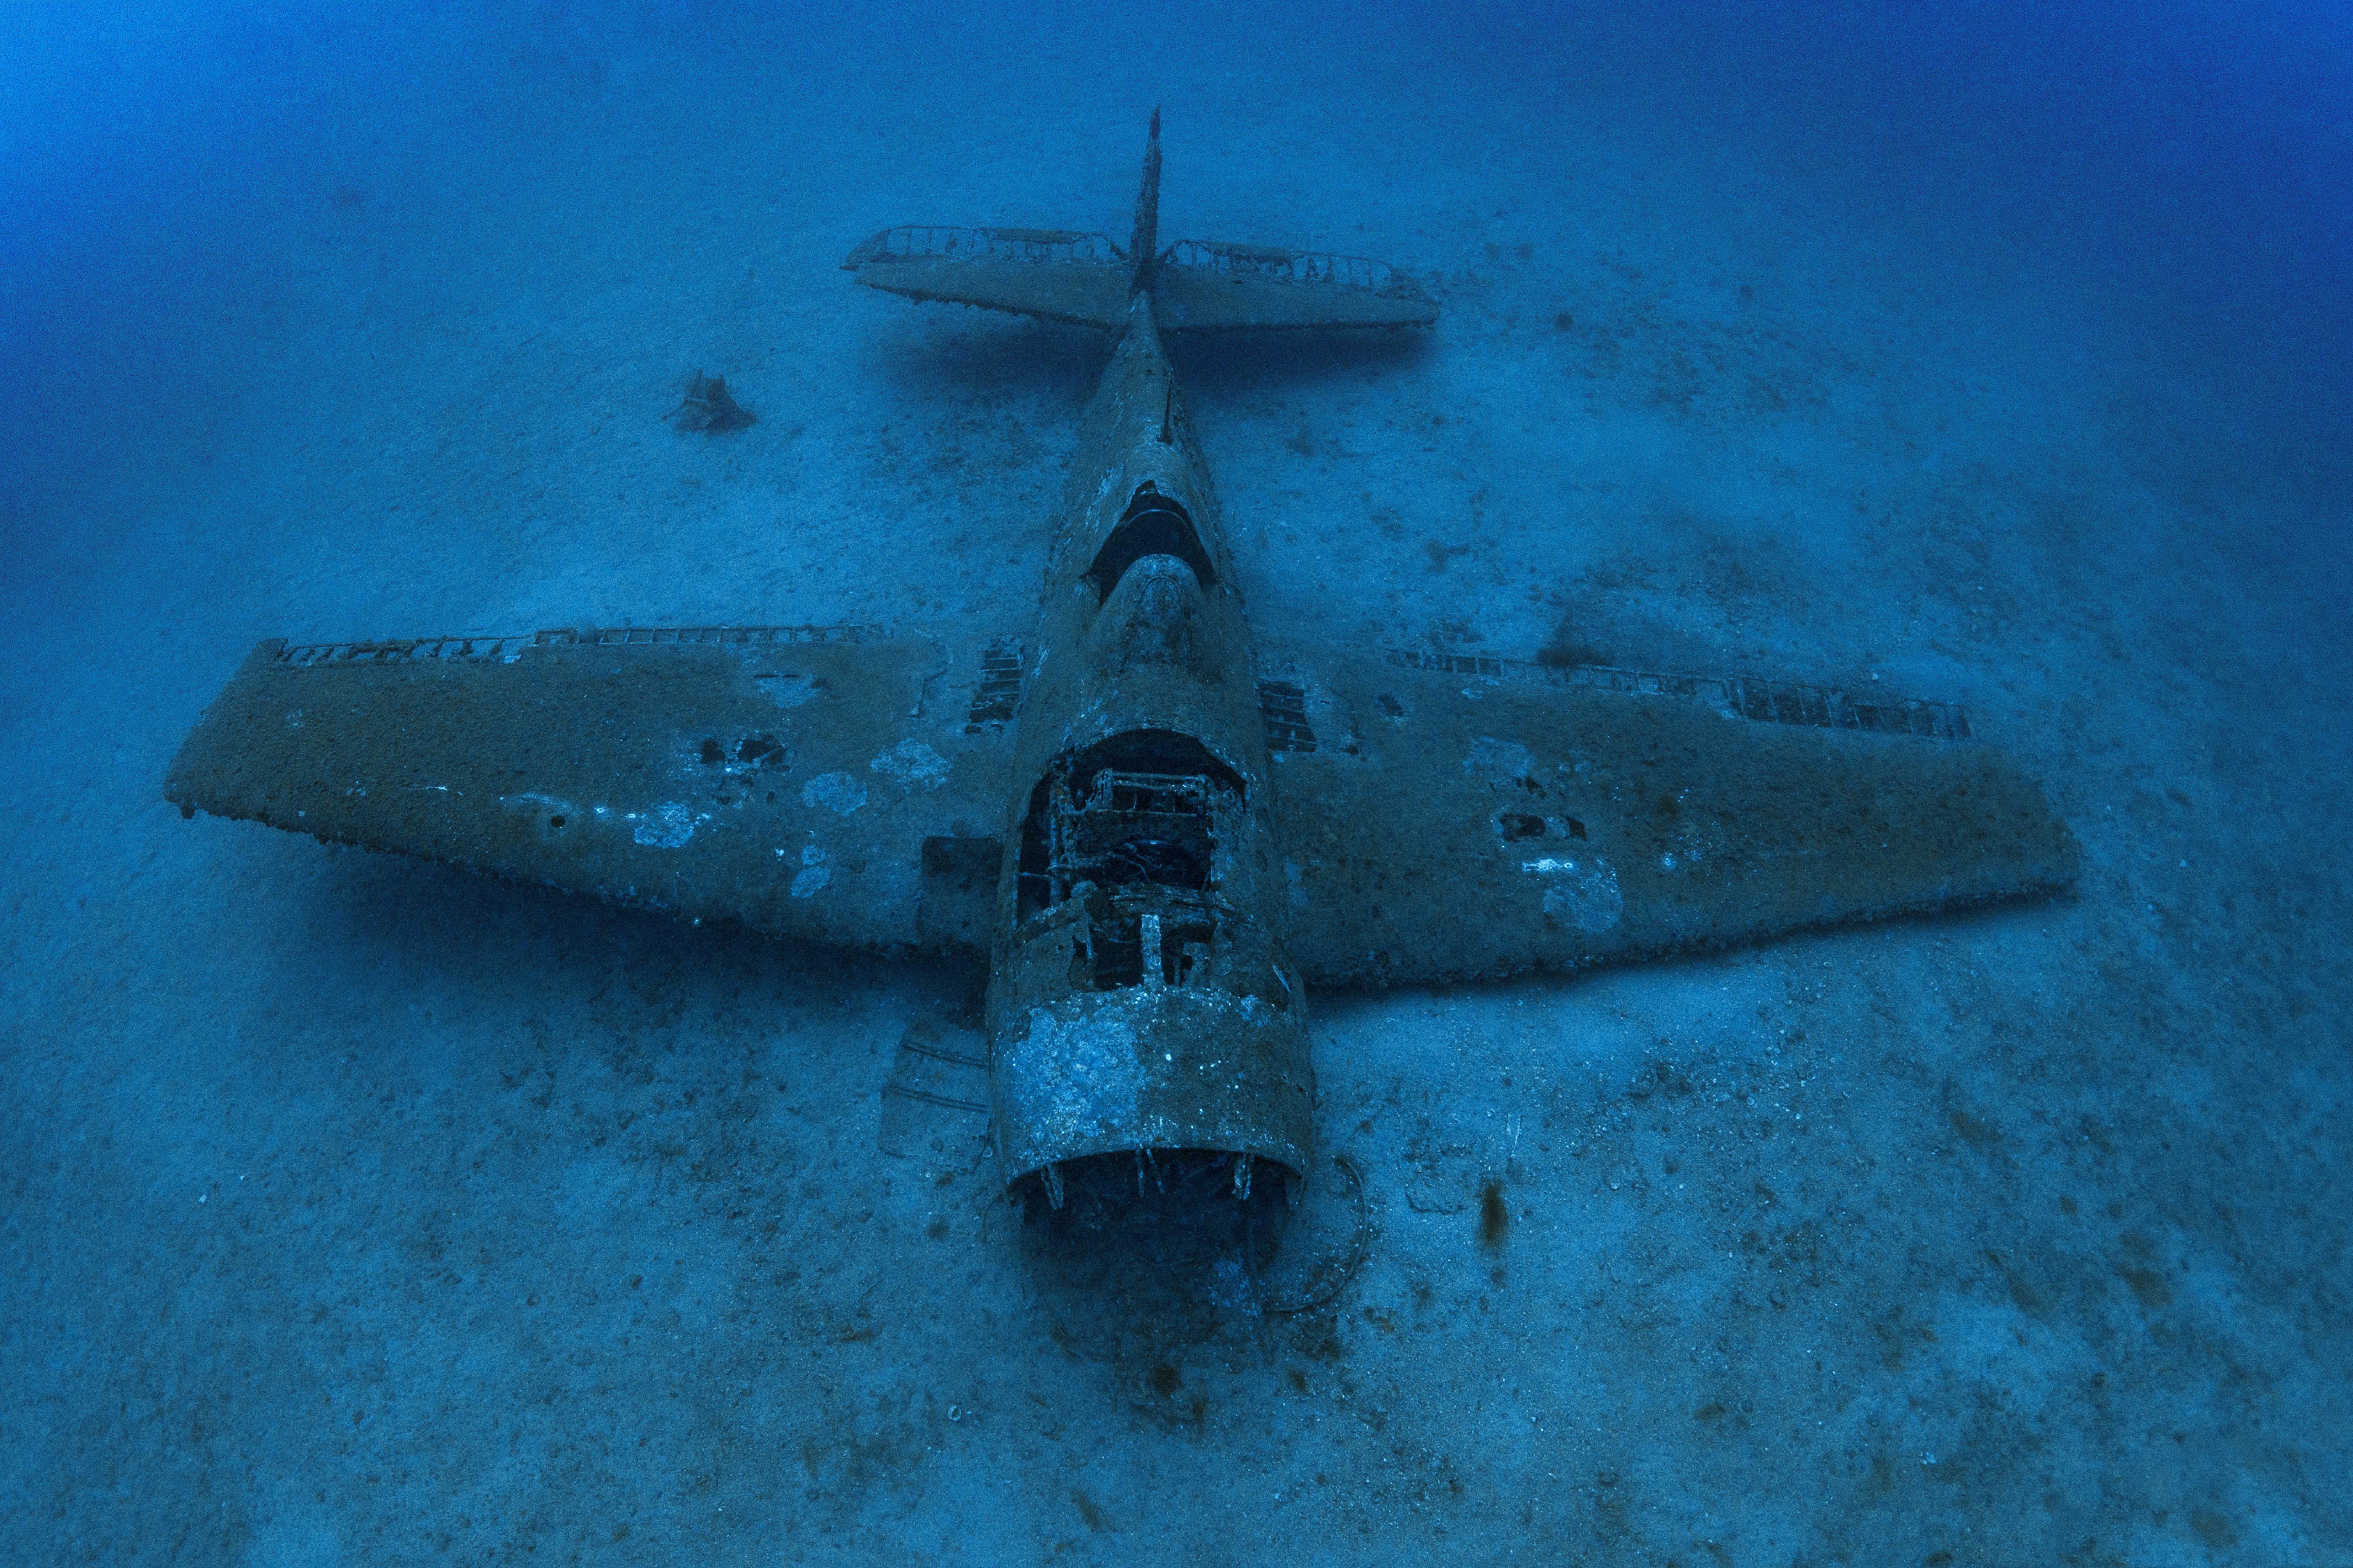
[709,408]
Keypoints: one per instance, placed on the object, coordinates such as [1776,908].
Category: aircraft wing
[1447,817]
[838,784]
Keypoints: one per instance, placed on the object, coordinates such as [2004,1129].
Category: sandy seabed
[360,1211]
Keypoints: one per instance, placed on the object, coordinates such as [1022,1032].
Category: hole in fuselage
[1154,524]
[1135,811]
[1126,835]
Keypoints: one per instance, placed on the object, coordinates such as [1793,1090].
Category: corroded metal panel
[786,777]
[1140,1000]
[1148,1067]
[1057,274]
[1204,286]
[1480,818]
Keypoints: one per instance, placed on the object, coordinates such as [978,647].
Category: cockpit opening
[1154,524]
[1125,834]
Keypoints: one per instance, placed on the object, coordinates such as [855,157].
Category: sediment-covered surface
[358,1211]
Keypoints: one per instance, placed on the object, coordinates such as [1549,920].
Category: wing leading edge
[837,785]
[1450,818]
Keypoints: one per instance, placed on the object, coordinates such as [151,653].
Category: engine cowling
[1141,1009]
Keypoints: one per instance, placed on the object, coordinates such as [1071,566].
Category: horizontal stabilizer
[1055,273]
[1202,286]
[1197,285]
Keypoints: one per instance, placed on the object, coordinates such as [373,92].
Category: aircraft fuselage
[1140,1004]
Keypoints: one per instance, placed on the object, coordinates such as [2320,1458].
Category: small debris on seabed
[1495,1219]
[709,408]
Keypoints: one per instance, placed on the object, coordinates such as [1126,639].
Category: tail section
[1207,286]
[1145,246]
[1055,273]
[1196,286]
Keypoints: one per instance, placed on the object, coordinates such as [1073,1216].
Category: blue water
[360,1211]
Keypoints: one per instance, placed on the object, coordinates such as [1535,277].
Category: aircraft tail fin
[1196,286]
[1144,247]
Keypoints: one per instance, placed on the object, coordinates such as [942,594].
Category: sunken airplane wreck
[1158,829]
